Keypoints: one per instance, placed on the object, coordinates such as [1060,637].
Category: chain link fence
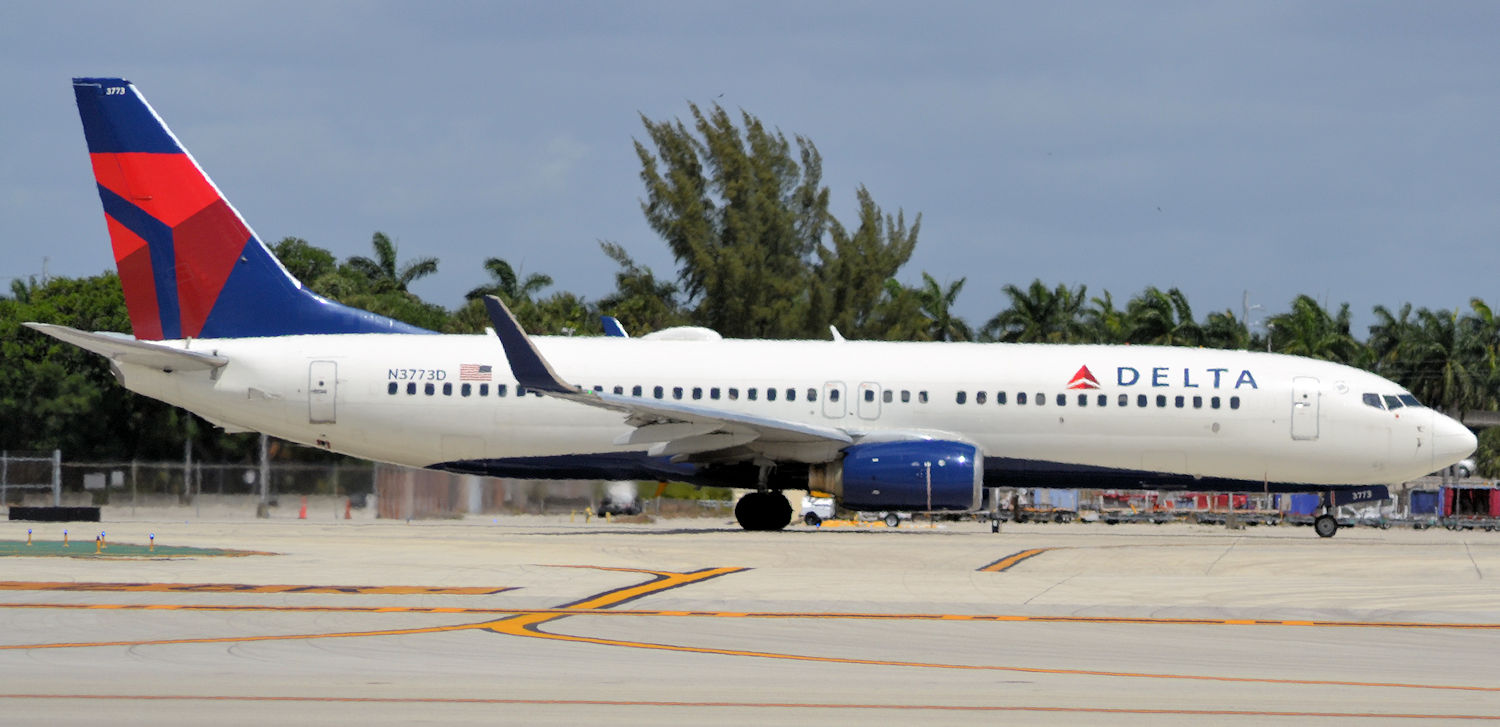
[388,491]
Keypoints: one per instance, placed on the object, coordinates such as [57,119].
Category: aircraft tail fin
[189,265]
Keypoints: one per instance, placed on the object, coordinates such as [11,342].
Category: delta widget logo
[1084,379]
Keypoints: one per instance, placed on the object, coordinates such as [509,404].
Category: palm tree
[383,272]
[1109,324]
[937,305]
[507,285]
[1162,318]
[1224,330]
[1040,315]
[1308,330]
[1444,362]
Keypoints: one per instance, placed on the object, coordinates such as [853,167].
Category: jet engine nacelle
[905,475]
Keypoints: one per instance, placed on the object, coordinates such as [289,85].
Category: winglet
[612,327]
[526,363]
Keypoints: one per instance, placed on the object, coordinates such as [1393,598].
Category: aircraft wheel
[892,520]
[763,511]
[812,520]
[1325,526]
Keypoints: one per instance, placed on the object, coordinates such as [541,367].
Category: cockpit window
[1392,402]
[1410,400]
[1374,400]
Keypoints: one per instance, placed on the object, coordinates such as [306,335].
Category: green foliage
[1487,458]
[640,302]
[57,396]
[1041,315]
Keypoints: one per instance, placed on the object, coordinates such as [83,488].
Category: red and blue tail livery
[189,265]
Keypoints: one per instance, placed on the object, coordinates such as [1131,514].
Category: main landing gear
[763,510]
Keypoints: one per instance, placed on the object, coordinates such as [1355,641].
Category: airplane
[220,328]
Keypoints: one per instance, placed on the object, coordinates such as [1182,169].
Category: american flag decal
[475,372]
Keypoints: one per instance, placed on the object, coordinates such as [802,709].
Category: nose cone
[1451,441]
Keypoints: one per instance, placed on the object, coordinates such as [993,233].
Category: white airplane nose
[1451,441]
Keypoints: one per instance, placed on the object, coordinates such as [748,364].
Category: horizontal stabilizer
[125,349]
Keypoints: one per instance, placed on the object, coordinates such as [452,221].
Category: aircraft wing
[672,427]
[119,347]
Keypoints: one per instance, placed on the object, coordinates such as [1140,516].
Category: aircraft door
[869,400]
[833,400]
[322,391]
[1305,396]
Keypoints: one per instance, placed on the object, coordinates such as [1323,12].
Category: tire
[892,520]
[812,520]
[1325,526]
[763,511]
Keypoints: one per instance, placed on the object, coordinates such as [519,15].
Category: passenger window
[1197,402]
[1103,400]
[1020,397]
[1124,400]
[921,397]
[520,391]
[812,394]
[1161,401]
[1392,402]
[1213,403]
[657,391]
[1177,401]
[979,397]
[734,394]
[791,394]
[713,393]
[677,392]
[770,394]
[447,389]
[411,389]
[833,394]
[960,397]
[751,394]
[905,396]
[697,393]
[886,396]
[499,389]
[1234,402]
[464,390]
[870,395]
[1040,399]
[635,390]
[1140,400]
[391,388]
[484,389]
[598,388]
[1083,399]
[1374,400]
[619,391]
[1062,399]
[999,397]
[429,389]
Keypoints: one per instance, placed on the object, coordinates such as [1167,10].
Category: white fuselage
[1207,413]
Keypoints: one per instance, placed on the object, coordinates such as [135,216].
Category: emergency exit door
[322,392]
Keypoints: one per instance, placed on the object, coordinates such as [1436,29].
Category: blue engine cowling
[912,475]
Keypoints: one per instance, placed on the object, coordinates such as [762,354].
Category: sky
[1345,150]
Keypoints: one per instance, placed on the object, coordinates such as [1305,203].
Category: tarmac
[543,620]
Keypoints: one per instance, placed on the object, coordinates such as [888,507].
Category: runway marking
[528,623]
[1010,560]
[245,588]
[751,705]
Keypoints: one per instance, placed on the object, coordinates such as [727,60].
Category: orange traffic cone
[302,514]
